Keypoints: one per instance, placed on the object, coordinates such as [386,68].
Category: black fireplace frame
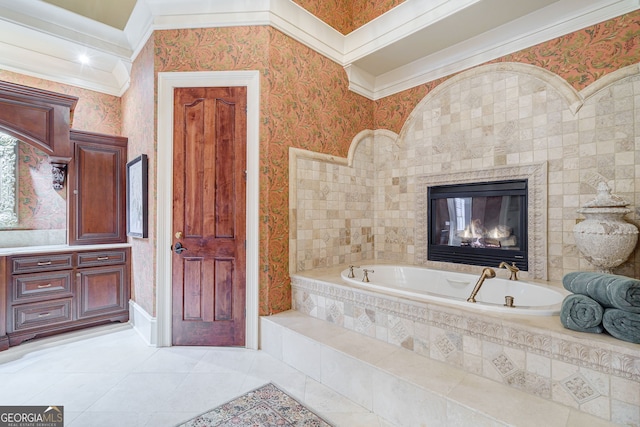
[488,257]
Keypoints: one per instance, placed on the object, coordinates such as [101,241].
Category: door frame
[167,82]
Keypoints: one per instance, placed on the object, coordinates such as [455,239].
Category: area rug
[265,406]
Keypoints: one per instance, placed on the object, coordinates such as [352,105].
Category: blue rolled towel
[610,290]
[622,324]
[581,313]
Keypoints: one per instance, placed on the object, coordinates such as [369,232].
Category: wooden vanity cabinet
[46,293]
[59,292]
[38,117]
[102,284]
[97,174]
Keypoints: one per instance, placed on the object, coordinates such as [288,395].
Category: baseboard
[143,323]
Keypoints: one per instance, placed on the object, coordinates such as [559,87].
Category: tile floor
[108,376]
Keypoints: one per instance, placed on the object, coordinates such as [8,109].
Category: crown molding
[541,26]
[48,48]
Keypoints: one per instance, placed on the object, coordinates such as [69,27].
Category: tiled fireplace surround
[492,122]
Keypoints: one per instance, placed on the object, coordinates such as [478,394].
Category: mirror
[8,181]
[32,213]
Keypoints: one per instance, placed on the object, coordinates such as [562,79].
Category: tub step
[403,387]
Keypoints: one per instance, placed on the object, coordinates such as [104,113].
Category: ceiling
[114,13]
[415,42]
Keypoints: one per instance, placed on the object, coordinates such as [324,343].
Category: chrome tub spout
[487,273]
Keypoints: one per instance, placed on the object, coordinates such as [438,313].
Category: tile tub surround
[479,122]
[402,387]
[593,373]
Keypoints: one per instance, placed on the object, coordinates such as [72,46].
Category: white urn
[604,238]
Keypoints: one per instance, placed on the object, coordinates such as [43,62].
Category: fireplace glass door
[479,223]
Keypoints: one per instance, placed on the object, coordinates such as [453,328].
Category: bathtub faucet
[512,268]
[351,275]
[366,272]
[487,273]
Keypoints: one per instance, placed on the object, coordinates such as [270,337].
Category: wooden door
[209,181]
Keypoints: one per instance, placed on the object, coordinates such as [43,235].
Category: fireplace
[478,223]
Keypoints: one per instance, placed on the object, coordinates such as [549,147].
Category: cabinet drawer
[39,286]
[38,314]
[31,264]
[93,259]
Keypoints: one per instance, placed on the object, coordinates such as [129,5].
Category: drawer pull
[102,258]
[44,314]
[48,285]
[41,263]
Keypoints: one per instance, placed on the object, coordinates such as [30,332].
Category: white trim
[546,24]
[143,323]
[166,84]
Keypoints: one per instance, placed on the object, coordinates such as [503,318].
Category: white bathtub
[430,285]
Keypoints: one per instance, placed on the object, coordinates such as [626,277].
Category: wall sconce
[59,171]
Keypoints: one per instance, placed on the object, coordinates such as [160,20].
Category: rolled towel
[581,313]
[610,290]
[622,324]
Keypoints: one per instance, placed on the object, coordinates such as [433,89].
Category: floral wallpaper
[40,207]
[580,57]
[364,11]
[310,107]
[138,109]
[347,15]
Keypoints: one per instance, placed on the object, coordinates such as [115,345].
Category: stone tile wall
[331,208]
[490,117]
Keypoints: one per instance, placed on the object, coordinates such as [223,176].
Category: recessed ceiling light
[83,59]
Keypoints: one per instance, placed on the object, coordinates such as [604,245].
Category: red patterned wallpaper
[364,11]
[138,124]
[40,207]
[310,107]
[347,15]
[581,58]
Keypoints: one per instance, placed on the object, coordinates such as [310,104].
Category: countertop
[59,248]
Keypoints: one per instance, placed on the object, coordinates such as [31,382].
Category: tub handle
[351,275]
[366,272]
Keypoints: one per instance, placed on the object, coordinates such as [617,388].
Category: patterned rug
[265,406]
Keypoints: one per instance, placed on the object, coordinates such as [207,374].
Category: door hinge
[245,175]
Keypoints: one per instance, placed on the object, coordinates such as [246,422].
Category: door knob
[179,235]
[178,248]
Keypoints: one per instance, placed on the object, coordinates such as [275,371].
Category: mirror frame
[8,181]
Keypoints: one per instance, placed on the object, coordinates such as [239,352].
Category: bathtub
[453,288]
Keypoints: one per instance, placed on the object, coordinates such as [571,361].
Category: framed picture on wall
[137,197]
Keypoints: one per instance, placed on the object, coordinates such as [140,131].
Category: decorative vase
[604,238]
